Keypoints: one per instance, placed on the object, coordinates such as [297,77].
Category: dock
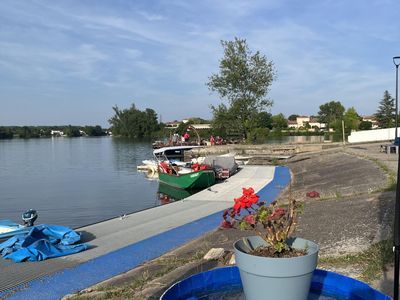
[123,243]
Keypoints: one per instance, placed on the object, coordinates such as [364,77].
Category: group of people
[185,138]
[176,139]
[216,141]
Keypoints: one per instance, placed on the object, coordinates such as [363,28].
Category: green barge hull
[195,180]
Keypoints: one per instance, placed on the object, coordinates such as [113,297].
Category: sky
[69,62]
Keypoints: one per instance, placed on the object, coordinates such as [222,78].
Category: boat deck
[121,244]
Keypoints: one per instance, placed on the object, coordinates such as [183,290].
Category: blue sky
[69,62]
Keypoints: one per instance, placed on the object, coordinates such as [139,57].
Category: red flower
[226,224]
[277,214]
[195,167]
[247,199]
[312,194]
[250,219]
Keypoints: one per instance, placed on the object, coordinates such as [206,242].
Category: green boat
[194,180]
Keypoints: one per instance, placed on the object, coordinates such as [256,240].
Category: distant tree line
[27,132]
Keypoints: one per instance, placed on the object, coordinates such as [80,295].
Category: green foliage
[351,119]
[263,120]
[72,131]
[293,117]
[330,113]
[133,123]
[94,130]
[279,121]
[223,120]
[258,135]
[27,132]
[386,113]
[243,225]
[199,121]
[365,125]
[181,129]
[279,247]
[6,133]
[244,79]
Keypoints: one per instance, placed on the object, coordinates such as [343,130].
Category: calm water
[74,181]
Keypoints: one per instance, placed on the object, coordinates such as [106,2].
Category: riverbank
[351,222]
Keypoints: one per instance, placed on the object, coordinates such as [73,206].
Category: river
[74,181]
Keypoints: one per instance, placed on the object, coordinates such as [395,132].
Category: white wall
[372,135]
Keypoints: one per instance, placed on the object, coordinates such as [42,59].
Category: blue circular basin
[225,283]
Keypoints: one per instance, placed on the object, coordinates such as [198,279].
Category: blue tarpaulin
[42,242]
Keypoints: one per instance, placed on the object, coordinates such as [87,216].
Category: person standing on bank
[186,136]
[212,140]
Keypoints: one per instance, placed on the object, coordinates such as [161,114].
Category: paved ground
[350,215]
[355,211]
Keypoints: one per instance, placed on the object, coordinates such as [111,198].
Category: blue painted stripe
[71,280]
[272,190]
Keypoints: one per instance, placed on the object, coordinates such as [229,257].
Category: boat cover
[42,242]
[222,162]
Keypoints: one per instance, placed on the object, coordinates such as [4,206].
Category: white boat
[148,166]
[9,228]
[173,155]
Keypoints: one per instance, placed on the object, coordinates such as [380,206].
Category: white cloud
[151,17]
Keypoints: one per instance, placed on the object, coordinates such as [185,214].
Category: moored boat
[194,180]
[9,228]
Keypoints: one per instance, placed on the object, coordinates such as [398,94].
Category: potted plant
[272,264]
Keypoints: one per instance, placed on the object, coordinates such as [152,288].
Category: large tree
[279,121]
[134,123]
[386,113]
[293,117]
[264,120]
[330,113]
[243,80]
[351,119]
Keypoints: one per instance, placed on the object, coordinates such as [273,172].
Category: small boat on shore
[9,228]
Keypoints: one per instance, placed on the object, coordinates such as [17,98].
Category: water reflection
[168,194]
[128,153]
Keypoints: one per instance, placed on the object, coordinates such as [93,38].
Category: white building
[371,119]
[301,123]
[57,133]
